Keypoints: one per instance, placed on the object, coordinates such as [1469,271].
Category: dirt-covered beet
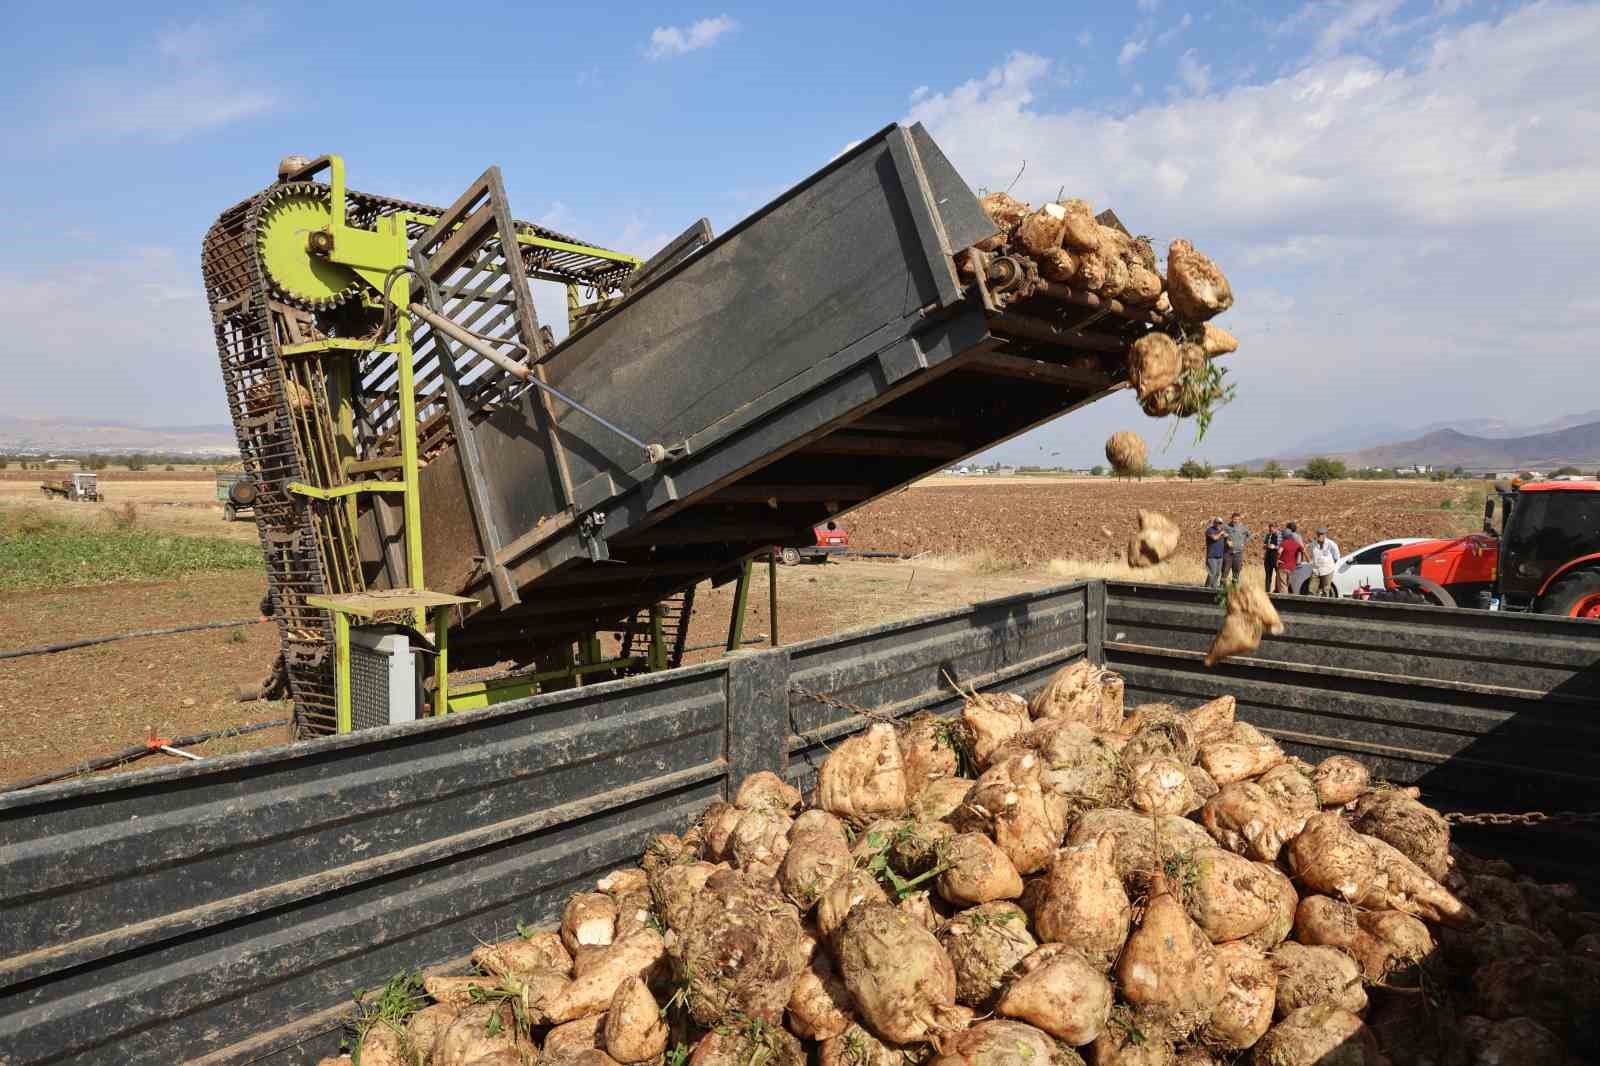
[820,1006]
[1067,997]
[635,1031]
[1339,779]
[1331,858]
[863,777]
[1250,990]
[675,888]
[1317,974]
[737,954]
[1004,1043]
[985,943]
[901,980]
[1282,924]
[815,859]
[977,871]
[1083,902]
[1169,967]
[940,799]
[1400,885]
[747,1044]
[1227,895]
[992,720]
[1245,819]
[1009,804]
[930,749]
[1292,787]
[765,790]
[1322,1035]
[1135,844]
[848,892]
[1419,833]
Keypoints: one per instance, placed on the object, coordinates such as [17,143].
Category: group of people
[1283,551]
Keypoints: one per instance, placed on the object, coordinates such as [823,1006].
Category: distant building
[1005,471]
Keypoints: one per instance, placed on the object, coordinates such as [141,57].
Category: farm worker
[1238,536]
[1216,551]
[1269,553]
[1324,560]
[1289,553]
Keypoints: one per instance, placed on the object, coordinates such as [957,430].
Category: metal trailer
[410,426]
[224,912]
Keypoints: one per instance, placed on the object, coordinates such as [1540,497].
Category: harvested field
[1035,520]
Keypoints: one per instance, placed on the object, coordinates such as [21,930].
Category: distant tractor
[79,486]
[237,494]
[1545,558]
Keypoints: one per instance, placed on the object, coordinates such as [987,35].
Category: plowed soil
[1036,520]
[975,539]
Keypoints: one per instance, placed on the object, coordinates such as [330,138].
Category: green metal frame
[374,255]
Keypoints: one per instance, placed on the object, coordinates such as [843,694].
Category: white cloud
[1415,212]
[1195,75]
[677,40]
[1176,28]
[97,322]
[188,78]
[1131,50]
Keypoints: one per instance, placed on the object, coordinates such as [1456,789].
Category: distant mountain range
[1570,445]
[46,435]
[1370,435]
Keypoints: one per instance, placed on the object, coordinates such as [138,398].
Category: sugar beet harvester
[411,426]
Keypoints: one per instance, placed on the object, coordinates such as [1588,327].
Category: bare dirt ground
[1035,520]
[975,539]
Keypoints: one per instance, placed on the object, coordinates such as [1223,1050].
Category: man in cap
[1289,553]
[1324,551]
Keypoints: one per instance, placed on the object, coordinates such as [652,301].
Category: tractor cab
[1550,547]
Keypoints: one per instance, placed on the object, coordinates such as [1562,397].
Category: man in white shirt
[1324,561]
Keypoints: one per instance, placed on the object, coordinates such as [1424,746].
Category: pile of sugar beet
[1156,887]
[1063,243]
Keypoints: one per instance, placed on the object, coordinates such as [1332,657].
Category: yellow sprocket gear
[284,220]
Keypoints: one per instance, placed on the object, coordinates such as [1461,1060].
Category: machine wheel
[789,557]
[1430,591]
[1576,596]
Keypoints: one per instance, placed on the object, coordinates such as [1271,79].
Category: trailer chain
[845,705]
[1526,818]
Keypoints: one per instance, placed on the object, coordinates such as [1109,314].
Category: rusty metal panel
[1486,711]
[195,906]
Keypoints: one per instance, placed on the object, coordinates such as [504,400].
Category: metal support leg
[658,639]
[341,670]
[441,660]
[741,599]
[772,595]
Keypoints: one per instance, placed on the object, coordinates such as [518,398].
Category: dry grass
[1171,572]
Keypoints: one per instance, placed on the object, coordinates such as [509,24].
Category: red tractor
[1544,558]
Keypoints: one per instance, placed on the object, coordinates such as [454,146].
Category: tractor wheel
[1430,591]
[789,557]
[1576,596]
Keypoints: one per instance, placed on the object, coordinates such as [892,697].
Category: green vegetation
[1323,470]
[1566,471]
[1238,473]
[38,552]
[1272,471]
[1194,470]
[1097,470]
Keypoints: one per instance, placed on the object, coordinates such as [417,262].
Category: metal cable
[50,649]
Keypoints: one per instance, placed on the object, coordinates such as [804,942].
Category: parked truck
[80,486]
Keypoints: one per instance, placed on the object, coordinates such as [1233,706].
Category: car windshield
[1554,527]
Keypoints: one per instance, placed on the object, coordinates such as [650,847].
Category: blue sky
[1402,193]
